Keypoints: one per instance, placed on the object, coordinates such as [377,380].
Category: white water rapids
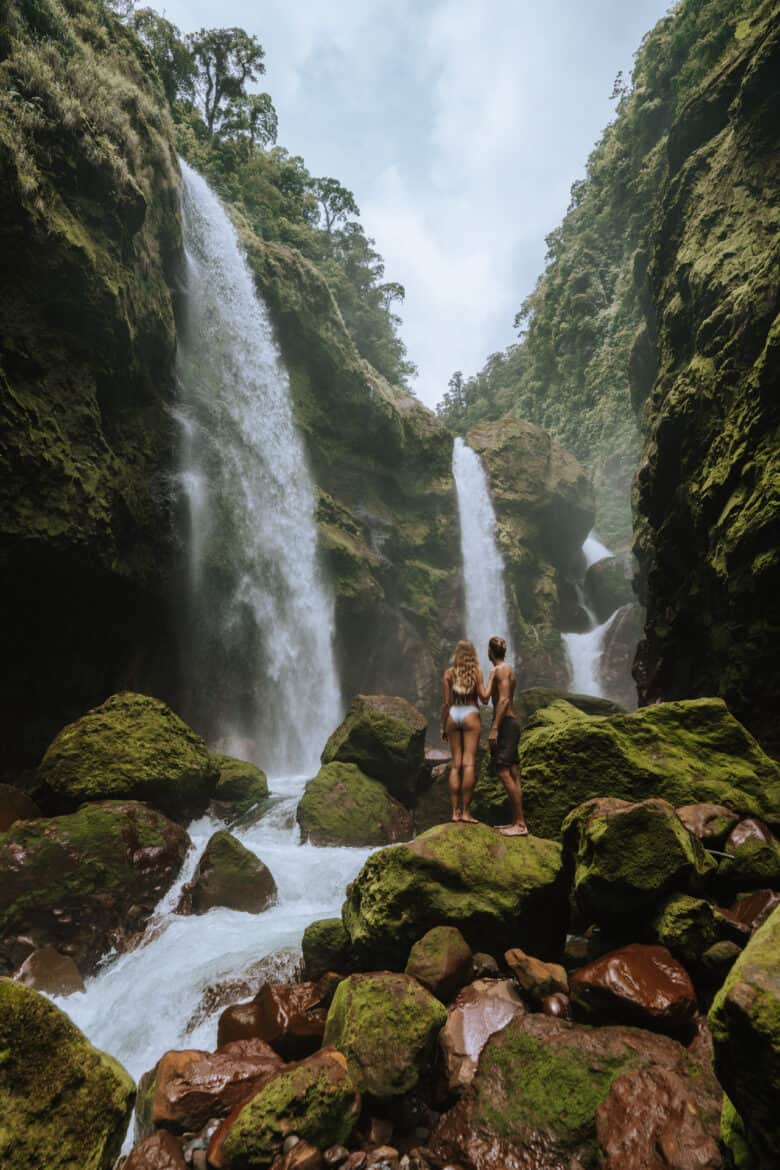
[483,565]
[583,651]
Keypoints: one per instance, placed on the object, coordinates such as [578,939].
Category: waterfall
[483,565]
[583,651]
[258,622]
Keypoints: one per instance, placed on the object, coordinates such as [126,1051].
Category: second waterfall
[258,622]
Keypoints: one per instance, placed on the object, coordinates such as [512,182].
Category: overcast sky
[459,125]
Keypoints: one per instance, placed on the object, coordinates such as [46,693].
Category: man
[505,733]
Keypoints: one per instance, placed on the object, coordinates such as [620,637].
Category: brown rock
[441,961]
[289,1017]
[192,1086]
[557,1005]
[279,967]
[383,1158]
[751,910]
[479,1010]
[161,1151]
[230,875]
[335,1155]
[536,979]
[357,1160]
[711,823]
[48,971]
[380,1131]
[638,984]
[484,966]
[15,805]
[302,1157]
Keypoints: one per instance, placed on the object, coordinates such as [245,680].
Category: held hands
[444,734]
[493,739]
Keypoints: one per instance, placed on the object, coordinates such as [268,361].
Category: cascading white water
[483,565]
[583,651]
[258,630]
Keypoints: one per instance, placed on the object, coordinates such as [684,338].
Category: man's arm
[503,698]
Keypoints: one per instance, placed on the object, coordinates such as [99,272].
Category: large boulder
[527,702]
[325,947]
[132,747]
[482,1008]
[745,1021]
[640,985]
[385,736]
[240,787]
[684,752]
[64,1103]
[626,858]
[552,1095]
[230,875]
[386,1025]
[688,927]
[608,585]
[442,961]
[343,806]
[498,891]
[84,882]
[315,1099]
[288,1016]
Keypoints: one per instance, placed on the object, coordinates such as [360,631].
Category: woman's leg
[455,740]
[471,730]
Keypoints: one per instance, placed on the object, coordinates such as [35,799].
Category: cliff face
[708,486]
[89,232]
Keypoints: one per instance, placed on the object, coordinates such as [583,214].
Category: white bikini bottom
[459,714]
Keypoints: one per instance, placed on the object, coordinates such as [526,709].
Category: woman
[460,725]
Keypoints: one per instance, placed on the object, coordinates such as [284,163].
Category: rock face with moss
[342,806]
[708,482]
[498,891]
[683,752]
[86,881]
[745,1021]
[385,736]
[229,875]
[132,747]
[90,214]
[240,787]
[65,1104]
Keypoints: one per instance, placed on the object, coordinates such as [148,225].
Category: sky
[460,126]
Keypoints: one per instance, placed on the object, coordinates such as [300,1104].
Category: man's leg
[511,781]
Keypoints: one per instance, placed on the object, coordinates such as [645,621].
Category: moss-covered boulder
[527,702]
[745,1022]
[86,881]
[315,1099]
[230,875]
[608,585]
[753,857]
[65,1105]
[343,806]
[498,891]
[386,1025]
[688,927]
[625,858]
[385,736]
[442,961]
[132,747]
[325,947]
[683,752]
[240,787]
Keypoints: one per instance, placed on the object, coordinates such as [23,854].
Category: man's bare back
[504,737]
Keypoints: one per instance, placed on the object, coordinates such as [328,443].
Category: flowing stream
[483,565]
[583,651]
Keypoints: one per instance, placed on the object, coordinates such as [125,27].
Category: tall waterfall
[483,566]
[583,651]
[259,621]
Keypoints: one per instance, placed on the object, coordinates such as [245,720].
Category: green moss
[240,786]
[325,947]
[385,737]
[66,1104]
[690,926]
[342,806]
[441,961]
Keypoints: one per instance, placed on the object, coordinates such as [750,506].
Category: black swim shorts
[505,754]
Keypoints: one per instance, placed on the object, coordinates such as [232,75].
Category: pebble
[336,1155]
[290,1142]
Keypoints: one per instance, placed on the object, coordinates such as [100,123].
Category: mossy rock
[65,1105]
[684,752]
[315,1099]
[753,858]
[442,961]
[325,947]
[132,747]
[385,736]
[240,787]
[343,806]
[608,585]
[625,858]
[87,880]
[498,891]
[689,927]
[386,1025]
[228,875]
[527,702]
[745,1023]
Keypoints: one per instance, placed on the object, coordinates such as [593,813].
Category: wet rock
[496,890]
[385,737]
[441,960]
[688,926]
[482,1008]
[618,651]
[316,1099]
[15,805]
[711,823]
[76,882]
[64,1102]
[386,1025]
[754,859]
[132,747]
[684,752]
[752,910]
[48,971]
[608,585]
[344,806]
[229,875]
[302,1156]
[278,967]
[638,984]
[160,1151]
[627,857]
[536,979]
[240,787]
[289,1017]
[383,1158]
[335,1155]
[745,1022]
[325,947]
[484,966]
[558,1005]
[517,1114]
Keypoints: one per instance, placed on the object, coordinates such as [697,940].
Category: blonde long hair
[465,668]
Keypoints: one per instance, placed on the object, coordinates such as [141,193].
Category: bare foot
[514,830]
[469,819]
[456,816]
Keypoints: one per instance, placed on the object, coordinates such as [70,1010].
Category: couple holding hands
[464,690]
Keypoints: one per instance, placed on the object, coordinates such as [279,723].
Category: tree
[251,116]
[226,59]
[171,56]
[335,202]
